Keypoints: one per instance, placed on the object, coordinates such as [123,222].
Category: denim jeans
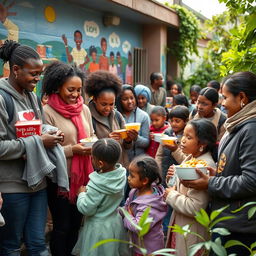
[25,218]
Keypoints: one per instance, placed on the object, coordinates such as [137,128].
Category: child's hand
[170,173]
[168,190]
[151,136]
[129,209]
[81,189]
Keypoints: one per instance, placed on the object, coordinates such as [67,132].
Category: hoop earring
[242,104]
[201,149]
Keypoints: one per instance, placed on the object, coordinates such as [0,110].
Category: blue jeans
[25,217]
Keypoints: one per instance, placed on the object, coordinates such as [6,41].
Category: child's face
[157,121]
[104,47]
[112,59]
[142,101]
[134,180]
[193,97]
[205,107]
[94,56]
[44,100]
[177,124]
[189,142]
[78,39]
[118,58]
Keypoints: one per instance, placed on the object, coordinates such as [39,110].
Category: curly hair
[56,74]
[100,81]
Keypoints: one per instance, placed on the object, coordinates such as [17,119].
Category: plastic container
[189,173]
[167,140]
[133,126]
[122,132]
[28,128]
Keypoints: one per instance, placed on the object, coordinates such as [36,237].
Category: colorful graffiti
[57,34]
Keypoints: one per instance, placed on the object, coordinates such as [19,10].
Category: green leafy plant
[143,227]
[189,33]
[209,222]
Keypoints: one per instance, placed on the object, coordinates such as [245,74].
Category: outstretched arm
[65,40]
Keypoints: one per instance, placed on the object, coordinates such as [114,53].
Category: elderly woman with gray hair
[143,95]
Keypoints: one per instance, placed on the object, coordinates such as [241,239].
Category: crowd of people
[100,192]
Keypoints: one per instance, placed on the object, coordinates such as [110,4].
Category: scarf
[246,113]
[81,166]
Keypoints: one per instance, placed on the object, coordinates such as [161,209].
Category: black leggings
[66,222]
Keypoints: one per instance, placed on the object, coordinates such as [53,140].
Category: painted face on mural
[28,76]
[94,56]
[105,103]
[104,47]
[71,90]
[112,59]
[78,39]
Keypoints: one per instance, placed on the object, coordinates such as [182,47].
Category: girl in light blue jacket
[99,200]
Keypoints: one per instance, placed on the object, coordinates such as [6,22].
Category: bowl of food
[133,126]
[159,136]
[122,132]
[168,140]
[88,142]
[187,170]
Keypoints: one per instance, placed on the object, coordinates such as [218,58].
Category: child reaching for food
[158,125]
[99,200]
[144,179]
[199,143]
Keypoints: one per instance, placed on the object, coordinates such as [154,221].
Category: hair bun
[7,49]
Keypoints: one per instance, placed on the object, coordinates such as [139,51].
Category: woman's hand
[51,140]
[132,135]
[81,189]
[212,171]
[115,136]
[79,149]
[170,173]
[199,184]
[1,200]
[173,147]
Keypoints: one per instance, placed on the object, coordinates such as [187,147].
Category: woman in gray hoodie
[24,208]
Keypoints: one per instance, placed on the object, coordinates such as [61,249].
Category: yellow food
[194,163]
[90,139]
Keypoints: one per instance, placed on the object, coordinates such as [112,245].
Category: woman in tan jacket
[104,87]
[65,109]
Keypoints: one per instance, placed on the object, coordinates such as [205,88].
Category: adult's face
[71,90]
[105,103]
[27,76]
[159,81]
[128,101]
[174,90]
[205,107]
[231,103]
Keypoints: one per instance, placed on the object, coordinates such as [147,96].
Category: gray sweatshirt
[11,148]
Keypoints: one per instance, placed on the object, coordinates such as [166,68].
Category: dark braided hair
[148,168]
[107,150]
[56,74]
[17,54]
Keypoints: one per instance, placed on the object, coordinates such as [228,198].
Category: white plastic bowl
[88,144]
[189,173]
[159,136]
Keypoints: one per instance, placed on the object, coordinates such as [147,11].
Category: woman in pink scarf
[65,110]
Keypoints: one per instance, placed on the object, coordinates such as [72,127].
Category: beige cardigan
[185,202]
[52,117]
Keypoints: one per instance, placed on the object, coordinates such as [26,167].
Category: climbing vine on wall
[189,33]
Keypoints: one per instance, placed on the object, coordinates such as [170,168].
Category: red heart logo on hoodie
[29,115]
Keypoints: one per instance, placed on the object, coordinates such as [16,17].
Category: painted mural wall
[60,30]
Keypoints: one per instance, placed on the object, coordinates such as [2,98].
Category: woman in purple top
[143,173]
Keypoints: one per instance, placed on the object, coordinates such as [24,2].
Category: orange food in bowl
[133,126]
[194,163]
[122,132]
[168,140]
